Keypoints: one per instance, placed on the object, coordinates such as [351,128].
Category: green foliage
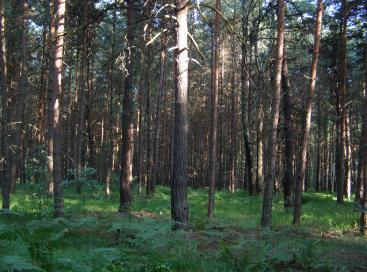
[94,237]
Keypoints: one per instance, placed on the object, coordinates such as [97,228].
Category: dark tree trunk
[126,196]
[214,111]
[362,168]
[4,107]
[288,137]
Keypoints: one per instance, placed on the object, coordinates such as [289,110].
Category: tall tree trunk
[82,91]
[150,186]
[361,190]
[54,92]
[214,110]
[302,159]
[246,87]
[43,88]
[271,148]
[179,205]
[109,149]
[340,104]
[288,137]
[160,94]
[4,113]
[318,172]
[15,160]
[232,129]
[51,98]
[126,196]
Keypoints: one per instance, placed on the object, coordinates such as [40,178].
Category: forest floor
[94,237]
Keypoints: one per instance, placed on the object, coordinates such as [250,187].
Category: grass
[94,237]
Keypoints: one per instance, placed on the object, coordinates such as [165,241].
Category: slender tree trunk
[160,94]
[271,148]
[4,106]
[318,179]
[109,149]
[54,91]
[340,99]
[288,137]
[50,114]
[348,157]
[126,196]
[15,160]
[150,186]
[83,91]
[362,167]
[260,149]
[233,130]
[302,159]
[43,88]
[179,205]
[214,110]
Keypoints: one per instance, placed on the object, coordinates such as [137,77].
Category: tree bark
[179,205]
[271,148]
[4,106]
[82,92]
[54,92]
[288,137]
[160,95]
[362,161]
[214,111]
[126,196]
[109,149]
[302,159]
[340,107]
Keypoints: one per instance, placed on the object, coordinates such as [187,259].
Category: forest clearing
[183,135]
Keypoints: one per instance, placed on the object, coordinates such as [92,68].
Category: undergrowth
[94,237]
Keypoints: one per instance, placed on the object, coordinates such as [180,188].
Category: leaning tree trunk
[271,148]
[179,205]
[126,196]
[214,111]
[302,159]
[54,91]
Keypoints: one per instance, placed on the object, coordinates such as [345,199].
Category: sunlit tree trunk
[179,205]
[271,148]
[340,105]
[302,159]
[54,92]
